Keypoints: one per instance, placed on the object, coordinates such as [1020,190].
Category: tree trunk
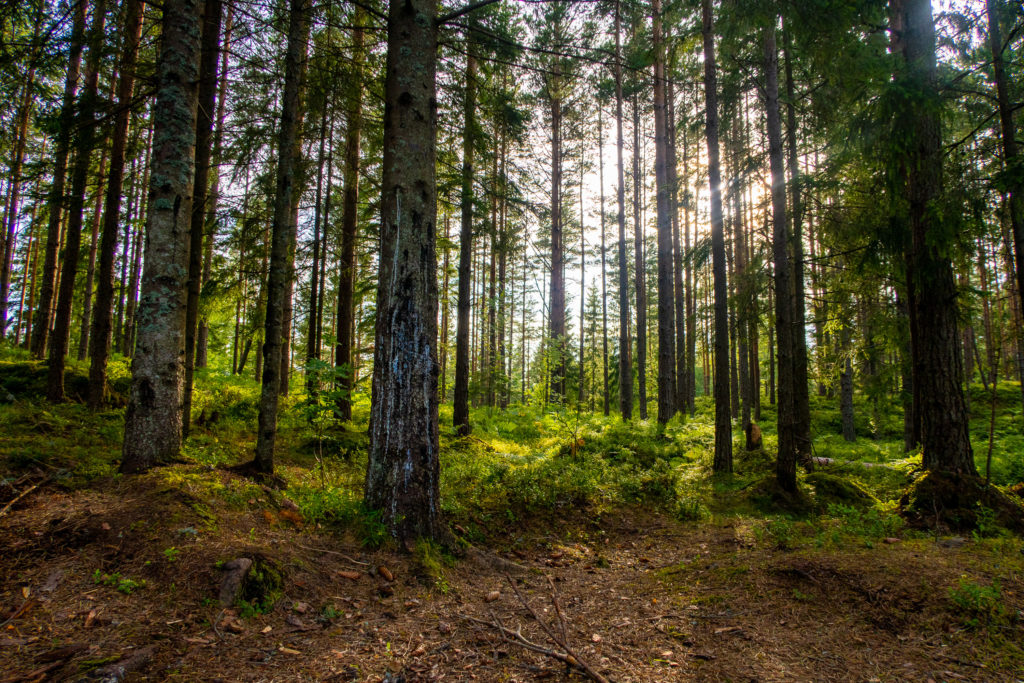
[723,424]
[100,334]
[557,349]
[606,403]
[666,298]
[625,347]
[939,380]
[312,347]
[289,149]
[208,60]
[349,209]
[639,268]
[41,330]
[85,137]
[403,470]
[213,198]
[8,232]
[465,297]
[90,272]
[152,433]
[679,292]
[801,391]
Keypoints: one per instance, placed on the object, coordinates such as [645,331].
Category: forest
[511,340]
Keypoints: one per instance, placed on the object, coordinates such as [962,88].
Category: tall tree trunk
[152,432]
[213,198]
[785,463]
[691,317]
[639,267]
[210,47]
[90,273]
[8,231]
[289,149]
[62,144]
[723,423]
[679,292]
[312,347]
[102,317]
[465,296]
[556,320]
[939,379]
[1008,136]
[625,347]
[403,471]
[801,391]
[349,208]
[666,299]
[606,402]
[84,141]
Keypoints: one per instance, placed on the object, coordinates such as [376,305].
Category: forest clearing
[511,340]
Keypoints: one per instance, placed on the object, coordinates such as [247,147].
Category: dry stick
[332,552]
[580,664]
[558,607]
[21,495]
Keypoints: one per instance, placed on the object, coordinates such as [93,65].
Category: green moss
[833,489]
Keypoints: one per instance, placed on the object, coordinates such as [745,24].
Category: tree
[666,299]
[464,302]
[938,365]
[625,347]
[282,246]
[152,432]
[403,468]
[85,135]
[349,207]
[102,317]
[723,421]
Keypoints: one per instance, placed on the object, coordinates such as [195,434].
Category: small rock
[953,542]
[596,638]
[891,540]
[300,607]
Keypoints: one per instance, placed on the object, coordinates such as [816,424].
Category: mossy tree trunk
[152,433]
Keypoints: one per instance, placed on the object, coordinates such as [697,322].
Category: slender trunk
[556,320]
[8,230]
[606,403]
[445,306]
[85,137]
[679,292]
[62,144]
[153,418]
[312,347]
[723,423]
[90,272]
[204,136]
[465,297]
[625,348]
[801,391]
[289,149]
[343,353]
[666,303]
[639,268]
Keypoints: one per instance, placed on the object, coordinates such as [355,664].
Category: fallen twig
[332,552]
[21,495]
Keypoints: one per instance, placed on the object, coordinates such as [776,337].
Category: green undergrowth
[521,463]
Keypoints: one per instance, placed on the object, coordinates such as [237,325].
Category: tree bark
[557,349]
[465,296]
[639,267]
[349,209]
[62,144]
[84,141]
[625,347]
[282,233]
[722,462]
[939,364]
[666,298]
[403,470]
[153,418]
[100,333]
[210,52]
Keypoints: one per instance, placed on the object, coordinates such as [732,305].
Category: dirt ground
[128,571]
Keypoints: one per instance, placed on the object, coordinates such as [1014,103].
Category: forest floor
[692,583]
